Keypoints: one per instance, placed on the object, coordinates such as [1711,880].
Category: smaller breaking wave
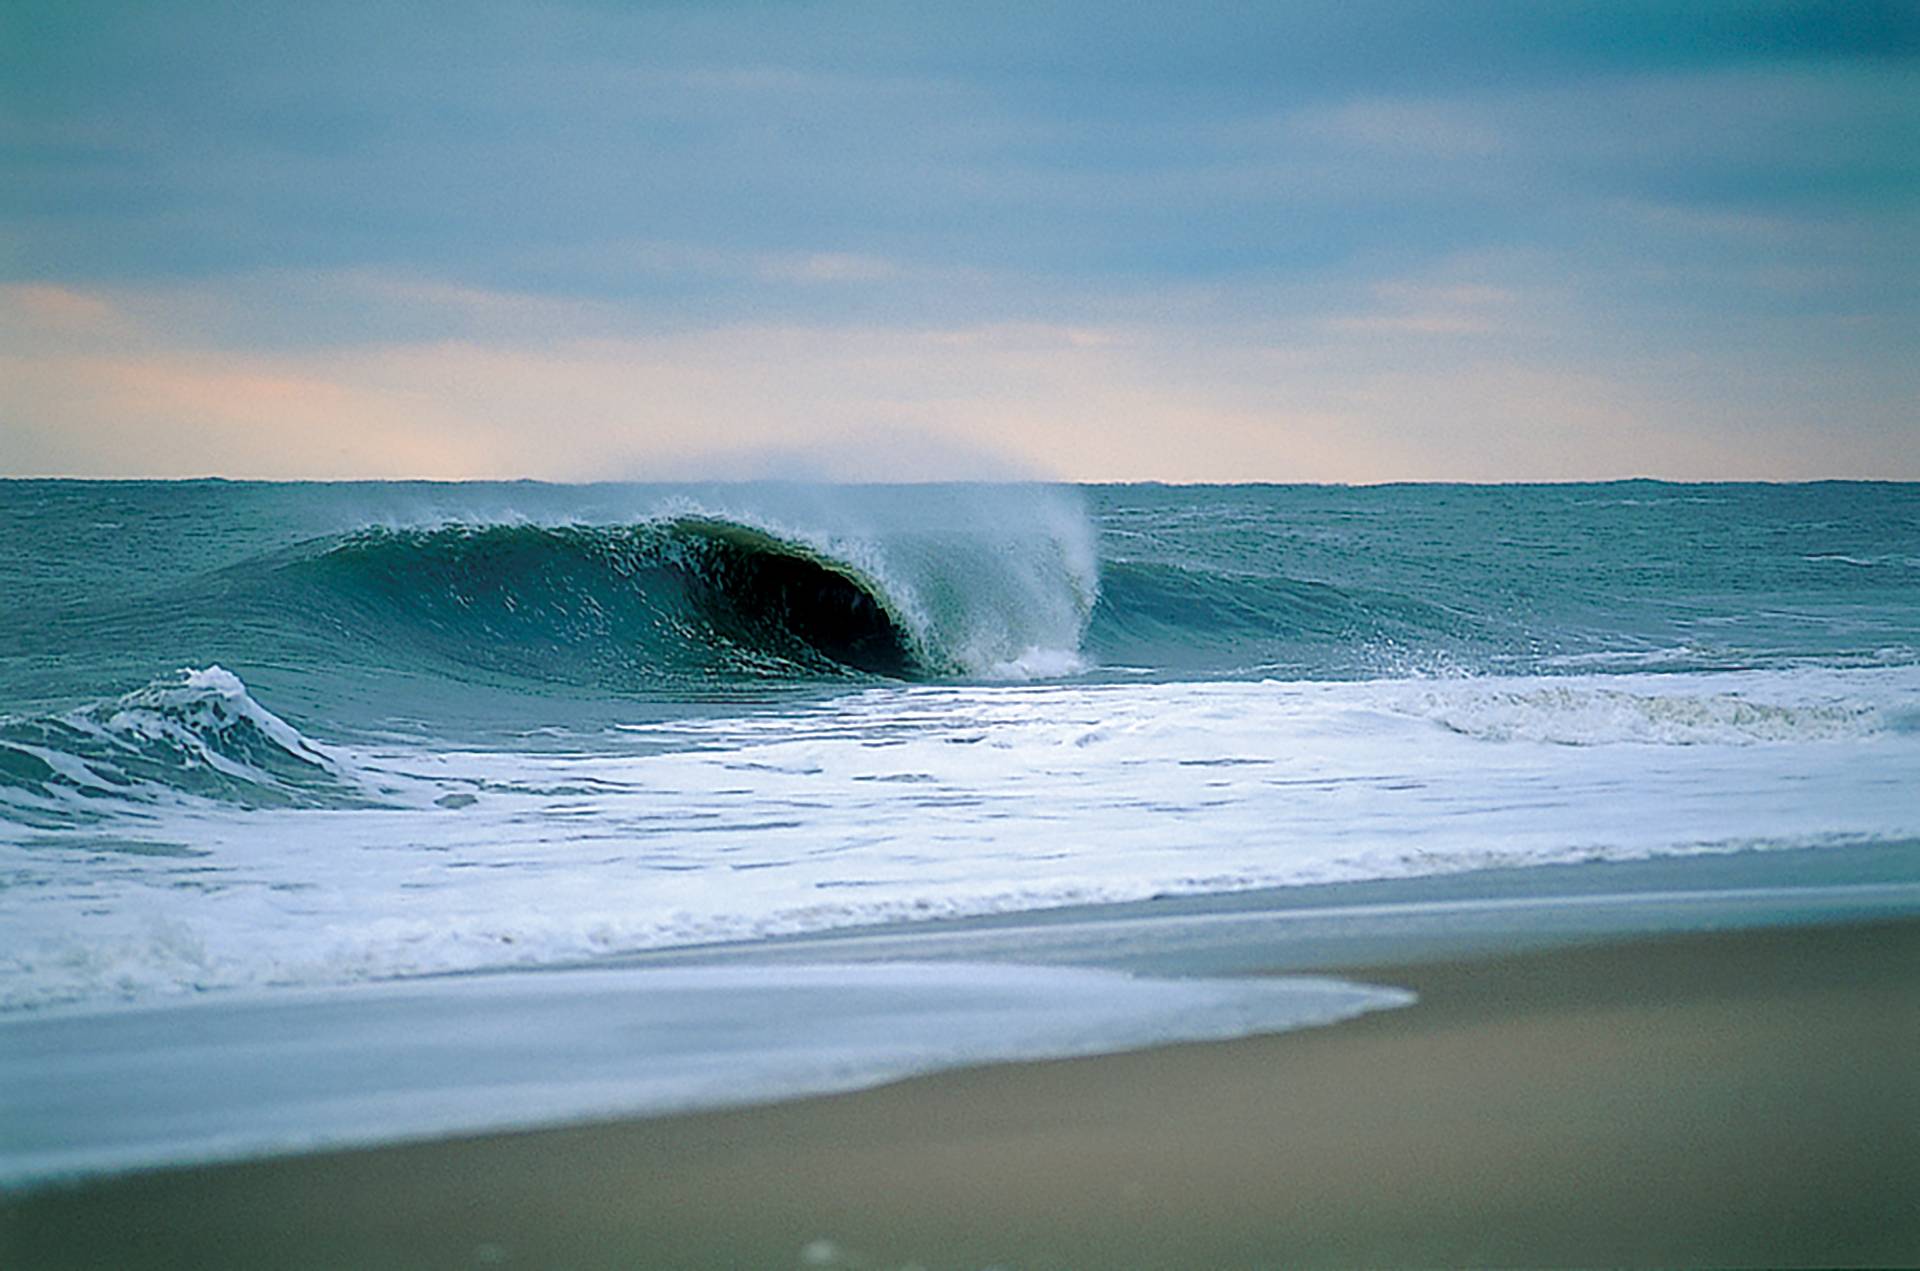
[196,734]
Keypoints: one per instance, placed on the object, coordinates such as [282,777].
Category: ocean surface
[262,741]
[287,734]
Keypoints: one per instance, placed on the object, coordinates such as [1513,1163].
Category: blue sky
[1353,241]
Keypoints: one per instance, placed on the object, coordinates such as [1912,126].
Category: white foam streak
[1038,664]
[1580,714]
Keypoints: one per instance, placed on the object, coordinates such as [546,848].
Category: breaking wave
[197,733]
[697,597]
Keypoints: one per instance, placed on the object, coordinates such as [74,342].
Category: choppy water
[261,735]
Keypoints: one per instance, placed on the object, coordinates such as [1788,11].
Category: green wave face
[684,598]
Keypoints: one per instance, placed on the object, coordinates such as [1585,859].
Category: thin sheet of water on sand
[247,1075]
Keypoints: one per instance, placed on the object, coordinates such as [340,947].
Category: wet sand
[1721,1099]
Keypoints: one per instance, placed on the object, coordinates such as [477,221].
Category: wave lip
[198,733]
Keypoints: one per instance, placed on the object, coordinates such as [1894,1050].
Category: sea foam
[909,802]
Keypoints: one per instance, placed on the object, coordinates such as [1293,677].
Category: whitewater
[260,742]
[900,804]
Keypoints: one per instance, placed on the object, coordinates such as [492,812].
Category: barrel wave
[705,595]
[687,595]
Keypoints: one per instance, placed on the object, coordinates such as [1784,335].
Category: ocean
[303,760]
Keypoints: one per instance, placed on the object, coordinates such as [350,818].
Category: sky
[1353,241]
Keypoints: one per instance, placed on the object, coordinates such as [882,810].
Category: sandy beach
[1713,1099]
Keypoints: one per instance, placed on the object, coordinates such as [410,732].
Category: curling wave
[696,596]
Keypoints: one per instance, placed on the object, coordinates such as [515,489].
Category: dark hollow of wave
[606,605]
[755,584]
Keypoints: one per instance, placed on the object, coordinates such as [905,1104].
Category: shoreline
[1702,1098]
[1332,927]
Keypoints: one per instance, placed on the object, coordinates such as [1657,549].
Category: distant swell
[1187,616]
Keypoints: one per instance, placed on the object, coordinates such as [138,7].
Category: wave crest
[197,733]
